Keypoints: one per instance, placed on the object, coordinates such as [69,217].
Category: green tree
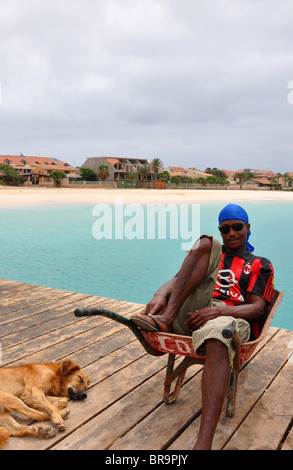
[164,176]
[186,179]
[201,180]
[175,179]
[156,164]
[216,180]
[143,172]
[132,176]
[243,176]
[216,172]
[87,174]
[58,176]
[11,175]
[103,172]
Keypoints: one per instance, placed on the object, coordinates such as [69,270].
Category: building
[261,178]
[189,172]
[119,168]
[36,170]
[197,174]
[259,182]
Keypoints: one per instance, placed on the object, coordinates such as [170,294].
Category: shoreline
[36,196]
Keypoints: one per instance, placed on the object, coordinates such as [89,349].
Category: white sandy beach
[30,196]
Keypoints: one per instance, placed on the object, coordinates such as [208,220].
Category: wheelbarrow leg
[179,374]
[232,388]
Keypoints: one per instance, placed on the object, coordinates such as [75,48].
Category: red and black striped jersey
[242,275]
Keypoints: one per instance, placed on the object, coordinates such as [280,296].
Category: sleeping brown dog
[41,393]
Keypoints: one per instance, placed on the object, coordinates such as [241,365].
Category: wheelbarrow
[158,343]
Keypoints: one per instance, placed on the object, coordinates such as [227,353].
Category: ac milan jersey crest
[247,269]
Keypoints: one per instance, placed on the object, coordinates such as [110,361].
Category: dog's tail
[4,436]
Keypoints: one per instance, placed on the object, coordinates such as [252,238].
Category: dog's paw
[60,427]
[60,403]
[45,431]
[65,413]
[57,421]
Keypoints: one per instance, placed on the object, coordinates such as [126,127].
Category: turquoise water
[54,246]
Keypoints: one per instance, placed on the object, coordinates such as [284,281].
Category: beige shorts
[212,329]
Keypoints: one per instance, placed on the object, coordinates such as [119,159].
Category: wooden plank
[62,342]
[31,310]
[124,408]
[109,340]
[266,425]
[37,314]
[62,317]
[9,294]
[253,380]
[29,298]
[103,430]
[165,422]
[87,333]
[7,282]
[103,347]
[99,398]
[288,442]
[4,282]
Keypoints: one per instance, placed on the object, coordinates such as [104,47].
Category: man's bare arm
[249,312]
[171,296]
[159,301]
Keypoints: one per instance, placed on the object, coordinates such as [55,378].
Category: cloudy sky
[196,83]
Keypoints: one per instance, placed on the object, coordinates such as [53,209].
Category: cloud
[194,83]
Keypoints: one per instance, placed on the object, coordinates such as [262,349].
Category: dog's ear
[68,366]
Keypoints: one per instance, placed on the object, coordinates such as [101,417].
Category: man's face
[234,239]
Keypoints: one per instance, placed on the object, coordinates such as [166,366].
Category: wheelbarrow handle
[228,331]
[92,311]
[86,312]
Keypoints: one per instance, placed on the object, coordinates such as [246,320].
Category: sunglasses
[236,227]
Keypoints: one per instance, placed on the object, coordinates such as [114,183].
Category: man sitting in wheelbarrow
[216,286]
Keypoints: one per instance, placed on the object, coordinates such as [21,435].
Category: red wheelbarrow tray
[159,343]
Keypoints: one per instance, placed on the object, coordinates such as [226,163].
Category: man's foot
[149,323]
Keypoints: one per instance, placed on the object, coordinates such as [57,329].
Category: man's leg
[191,275]
[215,381]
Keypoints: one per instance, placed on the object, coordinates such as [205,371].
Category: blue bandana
[235,212]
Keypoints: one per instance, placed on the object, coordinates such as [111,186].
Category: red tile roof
[178,168]
[113,161]
[44,162]
[261,180]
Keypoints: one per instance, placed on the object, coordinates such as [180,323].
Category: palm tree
[132,176]
[156,164]
[142,171]
[103,172]
[243,176]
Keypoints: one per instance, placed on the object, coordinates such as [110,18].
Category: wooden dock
[124,409]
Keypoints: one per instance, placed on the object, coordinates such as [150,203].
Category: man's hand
[249,312]
[200,317]
[157,305]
